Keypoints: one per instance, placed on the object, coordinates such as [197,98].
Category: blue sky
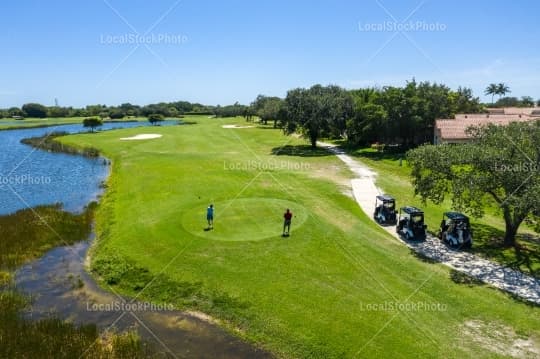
[219,52]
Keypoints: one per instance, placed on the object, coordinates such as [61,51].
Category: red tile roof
[454,129]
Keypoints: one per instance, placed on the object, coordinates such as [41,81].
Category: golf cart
[411,224]
[455,230]
[385,210]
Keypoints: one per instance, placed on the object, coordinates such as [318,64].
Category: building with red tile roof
[454,130]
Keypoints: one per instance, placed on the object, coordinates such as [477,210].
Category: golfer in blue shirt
[210,216]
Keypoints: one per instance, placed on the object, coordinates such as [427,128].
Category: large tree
[501,164]
[92,123]
[367,125]
[155,118]
[267,108]
[318,111]
[35,110]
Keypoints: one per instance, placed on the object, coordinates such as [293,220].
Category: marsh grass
[25,236]
[47,142]
[54,338]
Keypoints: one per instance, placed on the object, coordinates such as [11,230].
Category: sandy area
[143,136]
[236,126]
[507,279]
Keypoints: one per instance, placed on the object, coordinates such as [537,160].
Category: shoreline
[213,324]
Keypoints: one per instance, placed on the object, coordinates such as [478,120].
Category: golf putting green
[245,219]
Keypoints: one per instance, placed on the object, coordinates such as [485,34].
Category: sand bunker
[144,136]
[236,126]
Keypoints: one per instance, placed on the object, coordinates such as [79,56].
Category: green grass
[308,296]
[488,230]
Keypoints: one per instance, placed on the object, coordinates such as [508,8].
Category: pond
[30,177]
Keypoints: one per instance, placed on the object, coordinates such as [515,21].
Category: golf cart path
[507,279]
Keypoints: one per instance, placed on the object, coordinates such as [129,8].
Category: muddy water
[58,284]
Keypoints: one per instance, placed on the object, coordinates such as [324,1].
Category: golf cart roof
[456,216]
[412,210]
[386,198]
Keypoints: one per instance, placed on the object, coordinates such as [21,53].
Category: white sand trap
[143,136]
[236,126]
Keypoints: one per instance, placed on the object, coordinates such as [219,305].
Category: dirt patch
[499,339]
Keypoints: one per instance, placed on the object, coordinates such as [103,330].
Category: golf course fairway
[338,287]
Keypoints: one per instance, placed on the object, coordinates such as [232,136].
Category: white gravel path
[504,278]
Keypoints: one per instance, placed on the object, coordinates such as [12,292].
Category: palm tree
[492,89]
[502,89]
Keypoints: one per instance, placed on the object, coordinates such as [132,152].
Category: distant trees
[15,111]
[399,115]
[155,118]
[35,110]
[57,112]
[318,111]
[92,123]
[171,109]
[117,114]
[524,101]
[369,121]
[405,115]
[502,164]
[230,110]
[527,101]
[267,108]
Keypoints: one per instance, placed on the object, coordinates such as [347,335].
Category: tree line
[171,109]
[403,116]
[395,115]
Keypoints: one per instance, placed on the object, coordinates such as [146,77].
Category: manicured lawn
[324,292]
[488,230]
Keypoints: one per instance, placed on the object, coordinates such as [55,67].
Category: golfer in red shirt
[287,224]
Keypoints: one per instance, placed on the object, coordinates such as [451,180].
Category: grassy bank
[47,143]
[340,286]
[488,230]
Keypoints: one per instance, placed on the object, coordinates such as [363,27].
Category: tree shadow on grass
[301,151]
[524,255]
[423,257]
[378,156]
[463,278]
